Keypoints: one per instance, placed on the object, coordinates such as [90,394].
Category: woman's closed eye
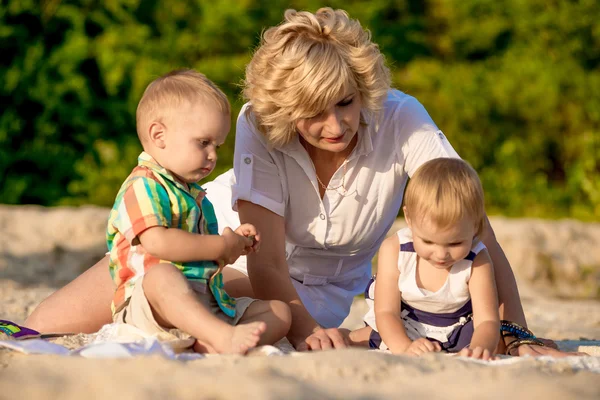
[345,102]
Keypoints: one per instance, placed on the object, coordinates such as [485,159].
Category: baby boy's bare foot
[204,347]
[243,338]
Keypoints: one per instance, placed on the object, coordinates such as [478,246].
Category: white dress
[331,241]
[450,298]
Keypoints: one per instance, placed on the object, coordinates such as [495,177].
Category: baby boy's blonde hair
[446,190]
[166,93]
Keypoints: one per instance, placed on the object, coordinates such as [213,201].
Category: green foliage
[515,85]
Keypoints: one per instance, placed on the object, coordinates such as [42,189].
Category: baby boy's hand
[235,245]
[422,346]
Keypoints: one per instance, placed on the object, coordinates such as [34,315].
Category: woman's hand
[325,339]
[549,343]
[537,351]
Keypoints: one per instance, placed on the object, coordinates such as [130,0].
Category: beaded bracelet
[509,328]
[522,335]
[516,343]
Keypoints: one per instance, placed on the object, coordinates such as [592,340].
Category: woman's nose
[334,123]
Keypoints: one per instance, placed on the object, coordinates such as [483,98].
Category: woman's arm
[509,299]
[508,293]
[484,298]
[388,297]
[83,305]
[270,279]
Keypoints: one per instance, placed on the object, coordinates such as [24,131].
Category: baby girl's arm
[387,298]
[484,297]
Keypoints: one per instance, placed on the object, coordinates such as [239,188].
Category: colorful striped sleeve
[144,204]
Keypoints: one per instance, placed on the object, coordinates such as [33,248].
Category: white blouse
[453,294]
[331,241]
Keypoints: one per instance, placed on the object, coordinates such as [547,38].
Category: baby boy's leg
[175,304]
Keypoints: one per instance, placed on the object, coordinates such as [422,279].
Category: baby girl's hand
[477,353]
[422,346]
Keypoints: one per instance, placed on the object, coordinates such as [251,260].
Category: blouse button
[247,160]
[322,216]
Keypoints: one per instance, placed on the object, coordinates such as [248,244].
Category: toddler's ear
[406,216]
[156,134]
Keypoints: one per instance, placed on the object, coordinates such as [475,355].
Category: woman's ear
[156,134]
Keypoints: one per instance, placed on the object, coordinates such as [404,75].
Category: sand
[348,374]
[29,273]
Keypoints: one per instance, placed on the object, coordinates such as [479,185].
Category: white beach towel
[125,341]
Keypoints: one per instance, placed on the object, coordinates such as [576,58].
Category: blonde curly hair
[306,63]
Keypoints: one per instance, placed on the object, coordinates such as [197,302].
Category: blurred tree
[515,85]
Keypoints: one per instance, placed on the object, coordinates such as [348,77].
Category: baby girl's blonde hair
[446,190]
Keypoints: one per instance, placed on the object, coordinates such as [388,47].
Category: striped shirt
[150,197]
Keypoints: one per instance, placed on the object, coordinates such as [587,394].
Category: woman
[324,149]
